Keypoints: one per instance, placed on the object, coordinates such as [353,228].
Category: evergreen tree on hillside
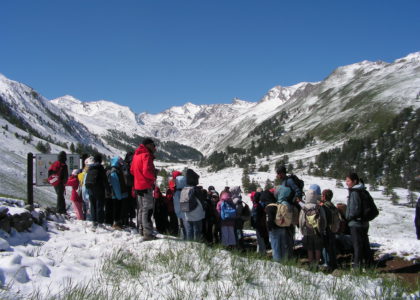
[246,181]
[411,198]
[394,197]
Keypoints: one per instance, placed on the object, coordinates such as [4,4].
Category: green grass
[187,270]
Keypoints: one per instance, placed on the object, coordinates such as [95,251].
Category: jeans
[281,243]
[261,246]
[97,204]
[145,205]
[329,252]
[362,252]
[193,230]
[61,202]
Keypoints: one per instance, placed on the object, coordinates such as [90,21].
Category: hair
[281,170]
[97,158]
[147,141]
[328,194]
[353,177]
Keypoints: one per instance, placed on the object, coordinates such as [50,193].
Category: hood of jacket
[142,149]
[116,161]
[312,197]
[359,186]
[180,182]
[175,174]
[236,192]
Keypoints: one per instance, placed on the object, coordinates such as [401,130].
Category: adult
[59,167]
[144,172]
[193,219]
[83,189]
[97,184]
[131,199]
[358,228]
[281,237]
[296,192]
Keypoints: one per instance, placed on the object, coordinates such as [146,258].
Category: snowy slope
[356,92]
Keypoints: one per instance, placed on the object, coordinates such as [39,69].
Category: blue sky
[151,55]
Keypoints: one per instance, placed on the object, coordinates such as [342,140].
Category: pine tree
[411,198]
[373,186]
[246,181]
[394,197]
[339,183]
[72,148]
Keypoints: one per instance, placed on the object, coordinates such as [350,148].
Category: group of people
[127,190]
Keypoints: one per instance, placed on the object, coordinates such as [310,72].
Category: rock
[22,222]
[28,207]
[5,224]
[3,212]
[4,245]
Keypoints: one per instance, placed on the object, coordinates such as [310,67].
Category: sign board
[44,161]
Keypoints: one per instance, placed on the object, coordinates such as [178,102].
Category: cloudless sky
[154,54]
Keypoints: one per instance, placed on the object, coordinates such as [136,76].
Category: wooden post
[30,179]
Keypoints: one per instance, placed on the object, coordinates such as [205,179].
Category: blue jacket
[180,183]
[114,180]
[354,207]
[296,191]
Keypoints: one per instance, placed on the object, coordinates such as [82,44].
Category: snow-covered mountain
[361,92]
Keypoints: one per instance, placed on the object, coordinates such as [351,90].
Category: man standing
[59,168]
[144,173]
[296,192]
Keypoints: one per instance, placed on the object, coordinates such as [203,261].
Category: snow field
[81,264]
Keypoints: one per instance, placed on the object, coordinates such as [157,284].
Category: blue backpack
[228,211]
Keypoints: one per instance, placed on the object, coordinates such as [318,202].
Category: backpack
[369,209]
[246,212]
[188,199]
[92,177]
[128,177]
[336,225]
[227,211]
[312,220]
[284,215]
[299,183]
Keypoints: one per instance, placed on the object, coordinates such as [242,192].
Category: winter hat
[316,188]
[281,170]
[226,196]
[312,197]
[75,172]
[175,174]
[211,188]
[147,141]
[89,161]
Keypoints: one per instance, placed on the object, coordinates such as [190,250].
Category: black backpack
[369,209]
[92,177]
[128,177]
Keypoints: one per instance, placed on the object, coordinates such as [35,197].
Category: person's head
[211,188]
[97,158]
[89,161]
[326,195]
[315,188]
[352,179]
[259,189]
[149,144]
[62,157]
[215,197]
[281,172]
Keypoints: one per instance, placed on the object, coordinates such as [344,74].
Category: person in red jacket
[76,200]
[144,172]
[59,167]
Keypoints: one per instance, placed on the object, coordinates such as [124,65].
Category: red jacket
[74,183]
[143,169]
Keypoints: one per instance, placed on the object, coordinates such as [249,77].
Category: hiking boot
[116,227]
[149,238]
